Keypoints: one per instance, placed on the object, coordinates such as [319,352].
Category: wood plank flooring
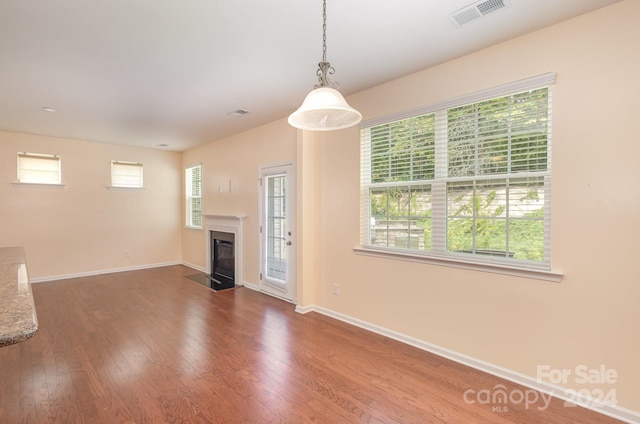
[151,346]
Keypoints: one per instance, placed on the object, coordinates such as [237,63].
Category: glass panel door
[277,246]
[276,223]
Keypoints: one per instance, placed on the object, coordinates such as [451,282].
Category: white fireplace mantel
[226,224]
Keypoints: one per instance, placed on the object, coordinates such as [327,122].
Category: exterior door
[277,276]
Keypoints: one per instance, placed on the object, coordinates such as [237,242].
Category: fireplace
[222,260]
[226,266]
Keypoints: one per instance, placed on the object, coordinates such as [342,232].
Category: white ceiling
[152,72]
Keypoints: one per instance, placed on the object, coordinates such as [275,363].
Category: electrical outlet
[336,289]
[126,253]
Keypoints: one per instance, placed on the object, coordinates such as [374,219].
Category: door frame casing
[288,168]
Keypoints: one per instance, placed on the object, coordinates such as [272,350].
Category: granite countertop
[18,320]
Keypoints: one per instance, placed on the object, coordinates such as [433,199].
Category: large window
[34,168]
[464,180]
[193,190]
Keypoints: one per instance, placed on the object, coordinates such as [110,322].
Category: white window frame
[438,253]
[127,175]
[38,169]
[191,196]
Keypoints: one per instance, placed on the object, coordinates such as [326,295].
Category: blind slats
[193,189]
[38,168]
[126,174]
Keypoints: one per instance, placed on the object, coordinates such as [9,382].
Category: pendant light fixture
[324,108]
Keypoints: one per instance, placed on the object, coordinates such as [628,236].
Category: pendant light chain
[324,67]
[324,31]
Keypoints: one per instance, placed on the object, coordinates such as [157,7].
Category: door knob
[288,243]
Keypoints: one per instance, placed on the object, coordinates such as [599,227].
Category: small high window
[35,168]
[126,174]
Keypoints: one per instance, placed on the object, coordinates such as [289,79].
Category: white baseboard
[102,271]
[196,267]
[567,395]
[306,309]
[251,286]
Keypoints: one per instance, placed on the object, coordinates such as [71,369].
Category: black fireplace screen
[222,260]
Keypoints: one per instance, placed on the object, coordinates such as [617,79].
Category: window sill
[189,227]
[537,274]
[126,188]
[37,185]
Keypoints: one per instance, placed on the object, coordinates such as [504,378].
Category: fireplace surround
[226,228]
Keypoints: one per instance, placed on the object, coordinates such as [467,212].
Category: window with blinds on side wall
[35,168]
[193,190]
[126,174]
[467,180]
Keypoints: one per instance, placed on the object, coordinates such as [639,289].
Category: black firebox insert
[223,260]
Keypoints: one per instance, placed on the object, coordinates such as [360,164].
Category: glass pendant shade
[324,109]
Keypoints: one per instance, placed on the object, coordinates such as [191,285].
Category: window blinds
[470,176]
[38,168]
[193,189]
[126,174]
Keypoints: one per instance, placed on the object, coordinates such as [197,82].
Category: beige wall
[83,227]
[237,158]
[589,318]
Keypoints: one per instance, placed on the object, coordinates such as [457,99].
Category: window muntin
[126,174]
[401,216]
[500,218]
[467,181]
[35,168]
[193,190]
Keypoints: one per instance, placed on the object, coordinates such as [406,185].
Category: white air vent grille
[489,6]
[477,10]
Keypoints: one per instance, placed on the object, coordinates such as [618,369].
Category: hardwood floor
[154,347]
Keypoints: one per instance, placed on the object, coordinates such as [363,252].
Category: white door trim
[287,292]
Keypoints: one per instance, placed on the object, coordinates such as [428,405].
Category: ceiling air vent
[476,11]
